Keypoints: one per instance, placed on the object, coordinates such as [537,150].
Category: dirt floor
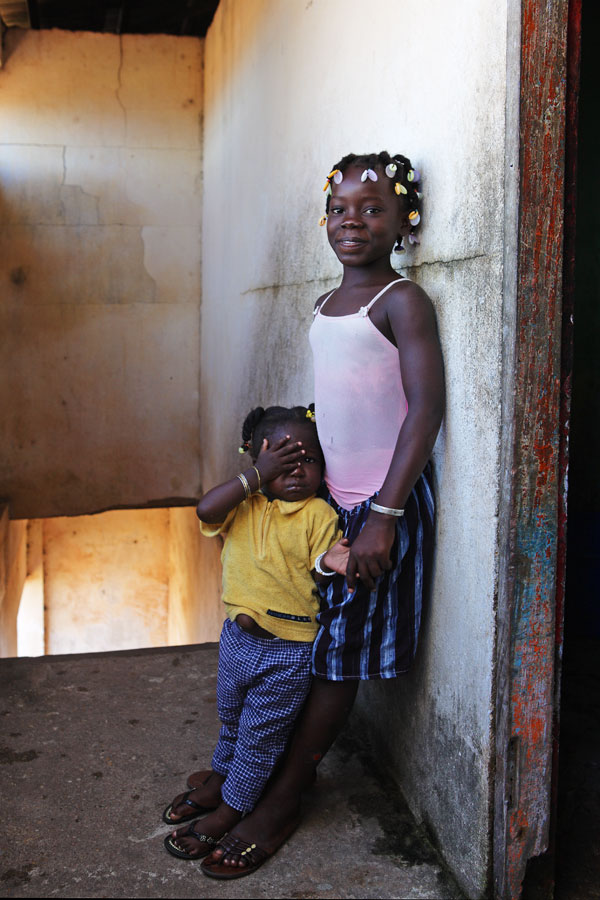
[95,746]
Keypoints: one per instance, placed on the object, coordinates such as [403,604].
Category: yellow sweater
[269,552]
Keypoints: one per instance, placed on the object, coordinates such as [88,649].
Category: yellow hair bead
[400,189]
[322,220]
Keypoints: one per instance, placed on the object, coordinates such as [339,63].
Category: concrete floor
[93,747]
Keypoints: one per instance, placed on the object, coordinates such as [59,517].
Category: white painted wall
[289,88]
[100,202]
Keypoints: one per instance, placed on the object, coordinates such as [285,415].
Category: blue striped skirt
[374,635]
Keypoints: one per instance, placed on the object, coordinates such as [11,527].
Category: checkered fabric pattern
[374,635]
[261,687]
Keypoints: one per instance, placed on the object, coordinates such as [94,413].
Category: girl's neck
[368,276]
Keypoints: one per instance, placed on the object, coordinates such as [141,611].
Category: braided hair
[405,175]
[262,423]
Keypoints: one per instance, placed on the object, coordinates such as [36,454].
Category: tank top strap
[364,310]
[320,307]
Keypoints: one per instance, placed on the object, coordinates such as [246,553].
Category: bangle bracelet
[386,510]
[318,566]
[258,476]
[245,485]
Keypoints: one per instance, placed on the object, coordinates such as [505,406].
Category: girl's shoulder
[320,300]
[405,296]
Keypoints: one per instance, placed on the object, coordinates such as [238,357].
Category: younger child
[279,539]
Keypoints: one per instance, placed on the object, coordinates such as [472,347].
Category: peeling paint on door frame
[531,590]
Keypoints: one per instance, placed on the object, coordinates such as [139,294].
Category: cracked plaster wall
[100,210]
[289,88]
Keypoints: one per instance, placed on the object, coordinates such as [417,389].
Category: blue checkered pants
[261,687]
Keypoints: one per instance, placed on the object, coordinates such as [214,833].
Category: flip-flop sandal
[254,856]
[197,810]
[172,847]
[250,853]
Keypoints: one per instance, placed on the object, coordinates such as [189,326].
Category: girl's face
[365,218]
[305,479]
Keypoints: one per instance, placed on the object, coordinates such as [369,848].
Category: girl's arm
[412,321]
[271,462]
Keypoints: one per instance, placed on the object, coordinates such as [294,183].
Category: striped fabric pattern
[374,635]
[262,684]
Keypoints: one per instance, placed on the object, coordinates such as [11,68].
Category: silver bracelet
[386,510]
[245,484]
[318,566]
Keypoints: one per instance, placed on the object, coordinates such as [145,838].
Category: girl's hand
[336,558]
[283,457]
[370,552]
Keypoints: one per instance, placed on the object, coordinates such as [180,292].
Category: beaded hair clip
[391,170]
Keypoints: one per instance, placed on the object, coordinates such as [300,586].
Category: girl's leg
[276,814]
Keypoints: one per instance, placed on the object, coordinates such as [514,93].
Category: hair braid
[261,423]
[412,196]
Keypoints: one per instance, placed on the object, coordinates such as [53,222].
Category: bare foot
[197,779]
[204,798]
[188,840]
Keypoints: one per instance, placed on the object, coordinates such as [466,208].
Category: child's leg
[281,678]
[232,684]
[272,705]
[326,711]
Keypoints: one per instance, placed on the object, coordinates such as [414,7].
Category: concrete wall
[118,580]
[106,581]
[195,611]
[13,572]
[289,88]
[31,630]
[100,205]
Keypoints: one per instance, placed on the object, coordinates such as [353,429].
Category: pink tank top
[360,403]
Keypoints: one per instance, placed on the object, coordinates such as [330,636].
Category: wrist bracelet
[258,476]
[386,510]
[318,566]
[245,485]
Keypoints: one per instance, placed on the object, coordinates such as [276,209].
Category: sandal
[171,845]
[251,854]
[198,810]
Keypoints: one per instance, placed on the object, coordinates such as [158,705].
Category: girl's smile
[365,218]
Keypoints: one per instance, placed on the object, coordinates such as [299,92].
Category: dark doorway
[578,833]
